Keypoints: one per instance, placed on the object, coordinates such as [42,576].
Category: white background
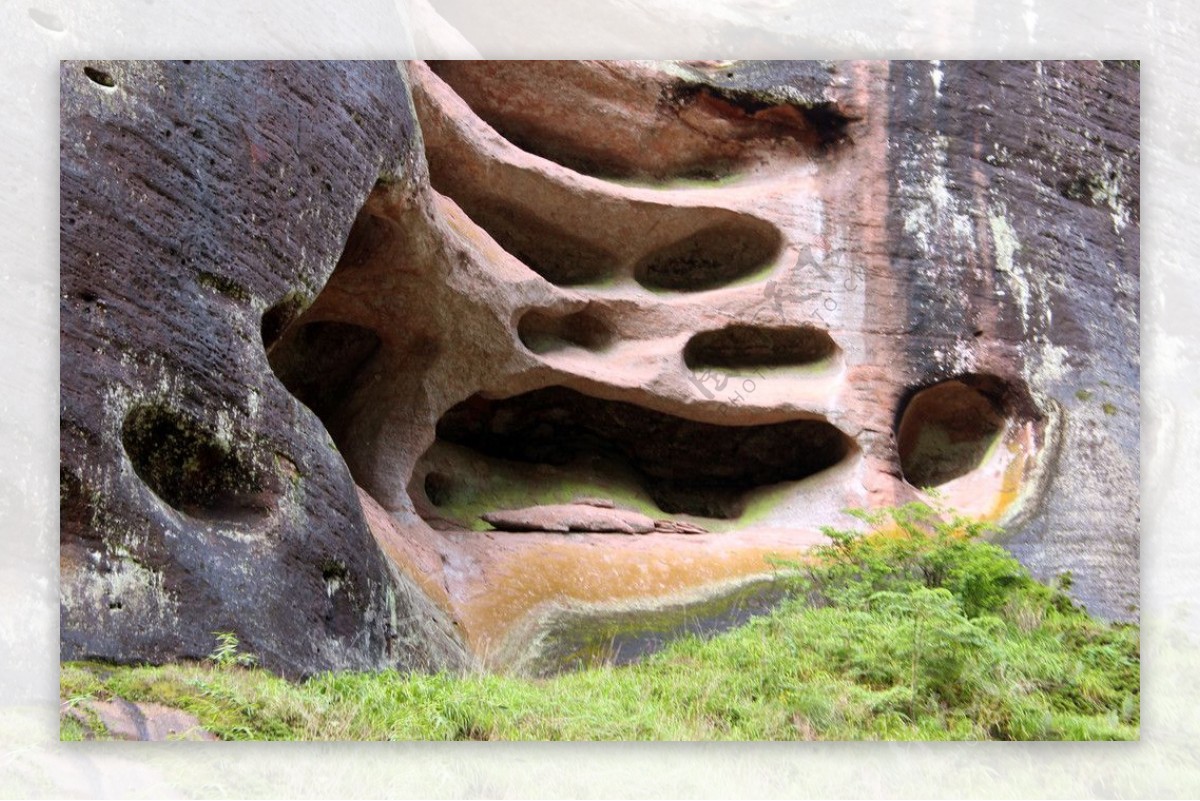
[1162,34]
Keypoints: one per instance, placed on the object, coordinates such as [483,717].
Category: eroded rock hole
[711,257]
[525,128]
[675,129]
[321,363]
[191,469]
[742,346]
[329,351]
[947,430]
[555,254]
[99,77]
[543,332]
[685,466]
[439,488]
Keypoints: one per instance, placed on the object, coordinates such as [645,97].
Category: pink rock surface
[129,720]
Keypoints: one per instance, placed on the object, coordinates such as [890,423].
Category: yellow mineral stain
[587,572]
[1011,484]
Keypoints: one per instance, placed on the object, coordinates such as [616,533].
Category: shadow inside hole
[948,429]
[559,256]
[439,488]
[100,77]
[748,346]
[276,319]
[189,468]
[543,332]
[711,257]
[320,364]
[684,466]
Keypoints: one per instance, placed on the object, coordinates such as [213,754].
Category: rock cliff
[326,327]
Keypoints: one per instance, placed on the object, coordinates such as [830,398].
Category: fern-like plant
[227,653]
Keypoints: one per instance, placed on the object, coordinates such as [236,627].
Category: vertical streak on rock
[868,205]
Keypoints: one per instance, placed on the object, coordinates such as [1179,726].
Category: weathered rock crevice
[693,125]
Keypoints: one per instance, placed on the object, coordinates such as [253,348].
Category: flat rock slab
[129,720]
[588,516]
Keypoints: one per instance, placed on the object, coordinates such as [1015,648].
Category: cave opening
[684,466]
[947,430]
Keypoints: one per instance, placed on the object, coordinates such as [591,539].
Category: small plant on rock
[227,654]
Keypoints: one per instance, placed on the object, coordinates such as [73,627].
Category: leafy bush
[977,633]
[909,547]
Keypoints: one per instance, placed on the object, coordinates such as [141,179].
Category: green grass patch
[917,630]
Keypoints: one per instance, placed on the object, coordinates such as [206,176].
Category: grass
[917,630]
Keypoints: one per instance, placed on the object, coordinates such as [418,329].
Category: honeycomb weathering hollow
[192,468]
[748,346]
[553,252]
[543,332]
[685,466]
[946,430]
[321,363]
[573,240]
[710,257]
[699,128]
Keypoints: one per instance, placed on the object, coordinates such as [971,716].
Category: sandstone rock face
[198,494]
[729,300]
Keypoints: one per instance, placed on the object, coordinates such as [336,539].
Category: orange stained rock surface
[537,572]
[492,582]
